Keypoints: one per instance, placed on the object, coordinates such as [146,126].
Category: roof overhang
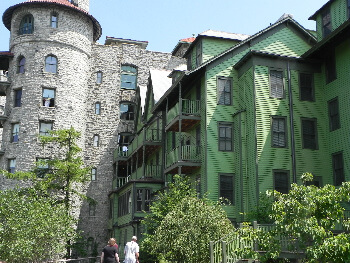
[337,36]
[7,16]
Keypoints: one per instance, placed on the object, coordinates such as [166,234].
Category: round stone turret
[52,45]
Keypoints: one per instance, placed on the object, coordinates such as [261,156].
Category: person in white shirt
[131,251]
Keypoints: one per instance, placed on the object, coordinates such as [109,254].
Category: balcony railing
[189,107]
[189,153]
[121,181]
[153,171]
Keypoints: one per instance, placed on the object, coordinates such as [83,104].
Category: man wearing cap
[131,251]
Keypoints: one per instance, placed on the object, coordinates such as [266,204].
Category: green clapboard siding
[213,47]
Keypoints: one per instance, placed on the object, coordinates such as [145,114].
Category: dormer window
[27,25]
[326,23]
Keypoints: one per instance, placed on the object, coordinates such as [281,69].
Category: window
[225,136]
[11,165]
[92,209]
[124,138]
[189,61]
[127,111]
[51,64]
[44,128]
[97,108]
[143,199]
[326,23]
[317,181]
[309,133]
[93,174]
[99,77]
[128,77]
[199,54]
[333,112]
[276,84]
[15,132]
[330,67]
[18,98]
[124,204]
[96,140]
[42,167]
[281,181]
[224,90]
[27,25]
[279,134]
[338,168]
[48,99]
[21,64]
[306,83]
[54,20]
[226,187]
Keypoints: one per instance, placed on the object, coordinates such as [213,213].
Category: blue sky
[163,22]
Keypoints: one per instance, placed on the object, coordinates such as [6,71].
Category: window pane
[276,84]
[224,91]
[338,168]
[278,132]
[93,174]
[12,165]
[21,65]
[226,187]
[97,108]
[45,127]
[309,134]
[334,118]
[18,98]
[15,132]
[306,87]
[27,25]
[51,64]
[281,182]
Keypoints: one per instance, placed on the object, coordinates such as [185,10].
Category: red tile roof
[7,16]
[189,40]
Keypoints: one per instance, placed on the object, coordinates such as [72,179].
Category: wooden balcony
[186,157]
[187,112]
[144,173]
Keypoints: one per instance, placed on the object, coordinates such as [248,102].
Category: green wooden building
[245,115]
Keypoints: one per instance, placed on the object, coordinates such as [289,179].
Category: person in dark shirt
[110,252]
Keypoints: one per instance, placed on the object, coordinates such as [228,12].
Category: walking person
[131,251]
[110,252]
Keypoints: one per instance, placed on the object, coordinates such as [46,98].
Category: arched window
[97,108]
[127,111]
[21,64]
[54,20]
[51,64]
[128,77]
[27,25]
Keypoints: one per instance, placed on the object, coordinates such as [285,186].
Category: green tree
[63,174]
[33,228]
[181,225]
[309,215]
[185,232]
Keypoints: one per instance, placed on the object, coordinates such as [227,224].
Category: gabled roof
[286,20]
[185,41]
[188,74]
[7,16]
[326,5]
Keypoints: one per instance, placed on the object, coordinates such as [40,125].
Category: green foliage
[263,211]
[309,215]
[33,228]
[181,225]
[186,231]
[59,182]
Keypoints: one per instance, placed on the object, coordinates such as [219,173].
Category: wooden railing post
[211,251]
[224,252]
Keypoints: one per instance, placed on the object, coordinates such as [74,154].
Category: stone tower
[51,42]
